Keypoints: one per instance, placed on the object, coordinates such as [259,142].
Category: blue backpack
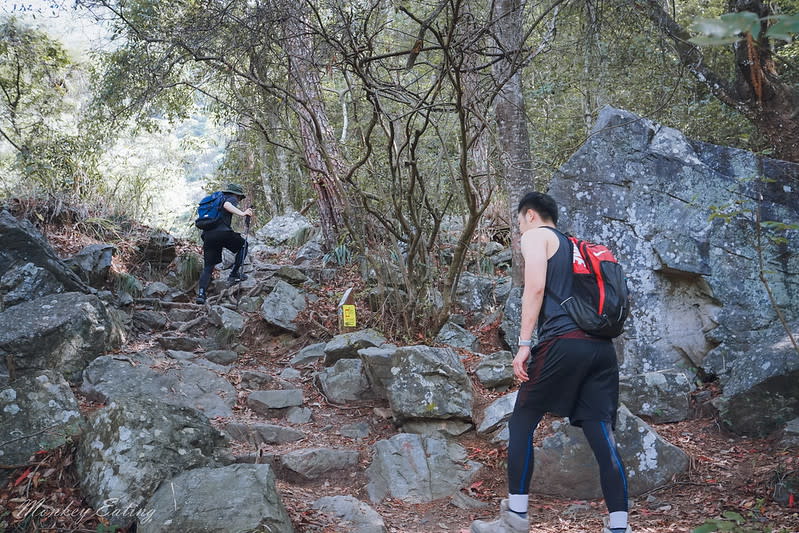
[210,211]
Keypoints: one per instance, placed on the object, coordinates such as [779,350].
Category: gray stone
[377,363]
[437,428]
[290,228]
[357,430]
[457,337]
[181,355]
[291,275]
[159,247]
[511,318]
[356,516]
[186,344]
[93,263]
[462,501]
[298,415]
[308,355]
[221,357]
[429,383]
[475,294]
[156,289]
[181,383]
[310,252]
[229,322]
[254,380]
[37,412]
[495,370]
[790,435]
[694,276]
[565,465]
[660,396]
[440,468]
[22,244]
[497,413]
[346,345]
[148,320]
[290,374]
[59,331]
[129,447]
[282,306]
[26,282]
[344,381]
[191,502]
[761,384]
[256,434]
[315,463]
[265,402]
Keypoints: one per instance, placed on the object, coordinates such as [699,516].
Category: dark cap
[234,188]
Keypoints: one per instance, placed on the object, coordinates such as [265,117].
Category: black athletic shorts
[573,375]
[216,239]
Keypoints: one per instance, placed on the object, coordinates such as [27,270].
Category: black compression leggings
[612,476]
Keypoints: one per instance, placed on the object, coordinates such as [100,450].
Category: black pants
[612,476]
[214,241]
[573,375]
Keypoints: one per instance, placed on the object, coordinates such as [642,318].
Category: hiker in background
[221,235]
[567,373]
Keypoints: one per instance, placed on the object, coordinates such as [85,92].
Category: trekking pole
[245,247]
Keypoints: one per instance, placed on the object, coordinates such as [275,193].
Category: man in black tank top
[567,373]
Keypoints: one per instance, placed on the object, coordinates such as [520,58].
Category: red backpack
[600,300]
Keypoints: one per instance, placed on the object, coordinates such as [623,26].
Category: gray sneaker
[508,522]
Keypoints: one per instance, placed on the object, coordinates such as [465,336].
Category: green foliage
[734,522]
[730,27]
[340,255]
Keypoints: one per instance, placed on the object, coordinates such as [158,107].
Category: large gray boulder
[21,244]
[495,370]
[130,447]
[345,381]
[679,215]
[59,331]
[93,263]
[565,465]
[418,469]
[429,383]
[761,385]
[37,412]
[475,294]
[181,383]
[458,337]
[291,228]
[26,282]
[377,363]
[314,463]
[346,345]
[229,322]
[241,498]
[282,305]
[661,397]
[355,515]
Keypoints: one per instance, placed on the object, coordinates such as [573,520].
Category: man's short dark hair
[541,203]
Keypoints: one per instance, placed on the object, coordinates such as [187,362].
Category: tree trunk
[509,107]
[322,156]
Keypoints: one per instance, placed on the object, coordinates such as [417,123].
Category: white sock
[617,520]
[518,502]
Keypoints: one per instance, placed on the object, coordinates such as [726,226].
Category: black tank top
[553,320]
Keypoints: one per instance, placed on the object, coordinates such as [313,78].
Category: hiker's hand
[247,212]
[520,363]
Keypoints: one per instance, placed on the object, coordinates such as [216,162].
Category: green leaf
[732,515]
[726,28]
[707,527]
[784,28]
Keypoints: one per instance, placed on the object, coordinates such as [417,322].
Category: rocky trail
[125,406]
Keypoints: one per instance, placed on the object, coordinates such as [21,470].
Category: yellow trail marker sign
[347,317]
